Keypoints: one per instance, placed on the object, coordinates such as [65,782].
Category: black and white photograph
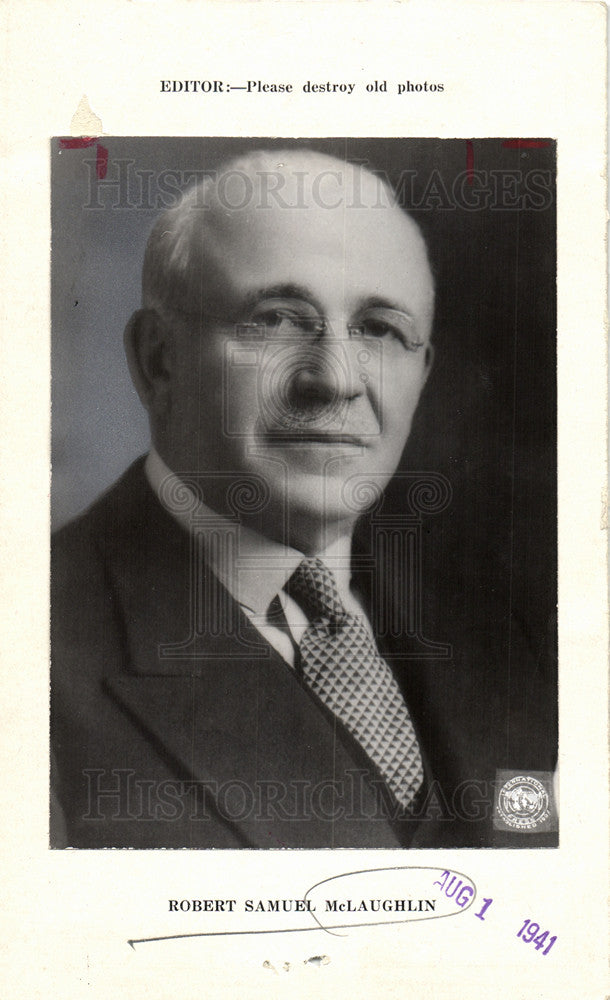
[304,493]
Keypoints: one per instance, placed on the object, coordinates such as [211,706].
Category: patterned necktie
[343,667]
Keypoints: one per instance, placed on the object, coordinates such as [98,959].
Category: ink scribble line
[282,930]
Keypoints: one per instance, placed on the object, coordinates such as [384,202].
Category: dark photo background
[487,420]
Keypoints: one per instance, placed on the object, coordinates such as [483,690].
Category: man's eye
[286,320]
[397,326]
[378,328]
[286,323]
[272,317]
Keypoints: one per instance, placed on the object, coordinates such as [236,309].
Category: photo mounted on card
[304,572]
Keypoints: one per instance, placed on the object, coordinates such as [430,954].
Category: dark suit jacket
[225,747]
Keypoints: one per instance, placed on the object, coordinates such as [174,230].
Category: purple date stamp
[530,931]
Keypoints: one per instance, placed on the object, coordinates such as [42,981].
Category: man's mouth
[307,435]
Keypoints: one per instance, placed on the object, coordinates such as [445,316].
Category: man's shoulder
[121,568]
[115,511]
[85,550]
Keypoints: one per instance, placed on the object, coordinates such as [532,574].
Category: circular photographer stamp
[523,803]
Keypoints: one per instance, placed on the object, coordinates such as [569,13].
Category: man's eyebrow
[378,302]
[288,290]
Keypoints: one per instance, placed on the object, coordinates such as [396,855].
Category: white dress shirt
[262,567]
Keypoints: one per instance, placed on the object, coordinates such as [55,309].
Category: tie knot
[314,588]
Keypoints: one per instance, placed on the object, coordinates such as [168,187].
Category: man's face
[310,363]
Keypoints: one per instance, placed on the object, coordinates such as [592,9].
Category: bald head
[260,202]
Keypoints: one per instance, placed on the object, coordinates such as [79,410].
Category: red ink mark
[101,164]
[525,143]
[80,143]
[83,142]
[469,161]
[280,842]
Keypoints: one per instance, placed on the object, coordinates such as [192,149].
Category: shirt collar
[262,566]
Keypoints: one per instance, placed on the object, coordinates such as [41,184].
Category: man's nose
[330,367]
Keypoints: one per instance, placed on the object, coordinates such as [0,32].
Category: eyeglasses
[281,320]
[285,320]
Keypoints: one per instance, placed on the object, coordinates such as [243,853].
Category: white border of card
[516,69]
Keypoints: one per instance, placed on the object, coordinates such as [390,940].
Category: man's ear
[149,352]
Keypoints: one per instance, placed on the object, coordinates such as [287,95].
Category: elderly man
[221,677]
